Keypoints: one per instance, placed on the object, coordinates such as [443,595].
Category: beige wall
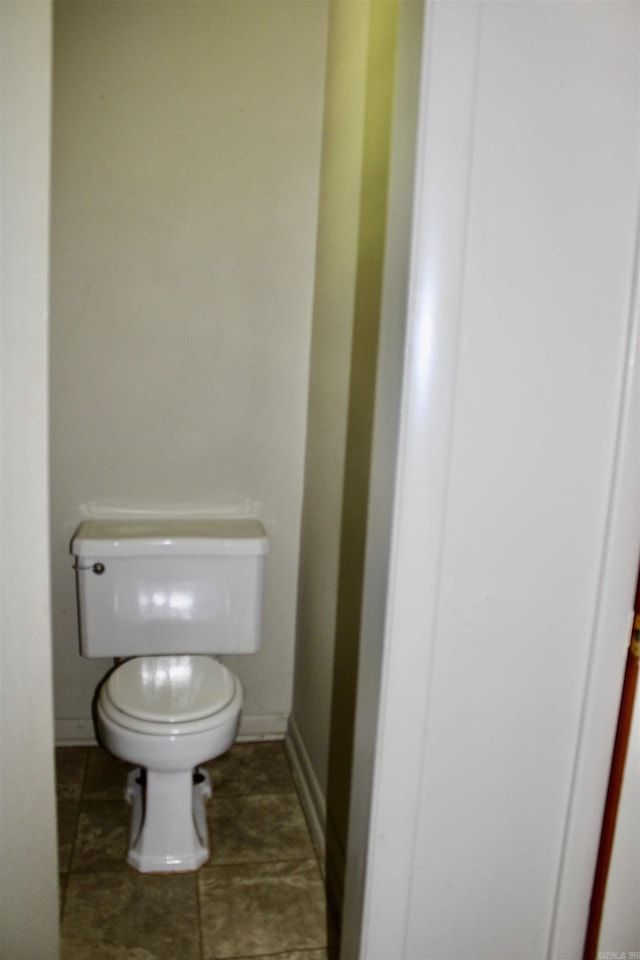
[186,154]
[356,140]
[28,853]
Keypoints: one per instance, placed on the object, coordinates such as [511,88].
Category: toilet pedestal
[168,821]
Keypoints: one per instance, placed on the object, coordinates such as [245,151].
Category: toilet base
[168,822]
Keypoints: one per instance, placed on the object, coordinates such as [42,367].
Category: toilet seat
[170,695]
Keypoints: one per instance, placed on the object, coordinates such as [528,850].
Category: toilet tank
[169,586]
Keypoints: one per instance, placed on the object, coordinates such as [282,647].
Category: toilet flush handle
[98,568]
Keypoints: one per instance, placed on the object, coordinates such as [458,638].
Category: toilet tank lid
[150,538]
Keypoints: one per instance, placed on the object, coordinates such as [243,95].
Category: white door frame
[405,542]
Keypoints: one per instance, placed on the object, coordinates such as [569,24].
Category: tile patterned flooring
[260,895]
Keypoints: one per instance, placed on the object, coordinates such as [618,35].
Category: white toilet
[169,594]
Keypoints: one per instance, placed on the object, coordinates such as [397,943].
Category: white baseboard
[311,795]
[270,726]
[79,731]
[330,852]
[75,732]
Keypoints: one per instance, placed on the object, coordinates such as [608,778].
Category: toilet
[167,597]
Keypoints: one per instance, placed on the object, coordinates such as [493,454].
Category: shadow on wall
[362,384]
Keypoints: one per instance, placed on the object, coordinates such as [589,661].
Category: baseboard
[311,795]
[330,851]
[270,726]
[75,732]
[79,731]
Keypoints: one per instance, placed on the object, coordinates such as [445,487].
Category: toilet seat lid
[170,689]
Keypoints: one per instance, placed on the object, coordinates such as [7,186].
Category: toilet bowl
[168,714]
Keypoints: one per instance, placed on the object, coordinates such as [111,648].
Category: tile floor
[260,895]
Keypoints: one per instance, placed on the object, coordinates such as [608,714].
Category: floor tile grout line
[76,827]
[211,800]
[256,863]
[276,956]
[85,774]
[130,871]
[199,914]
